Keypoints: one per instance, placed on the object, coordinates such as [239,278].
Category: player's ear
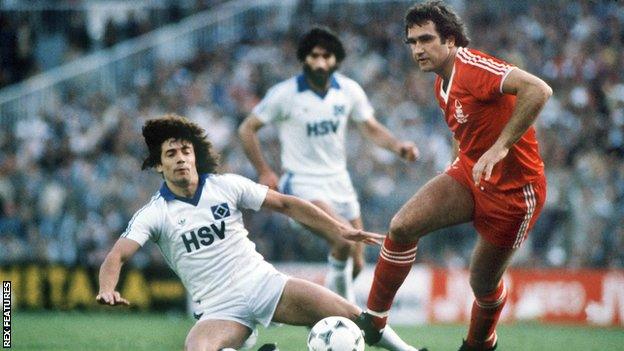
[450,41]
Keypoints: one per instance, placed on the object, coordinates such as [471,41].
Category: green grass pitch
[112,330]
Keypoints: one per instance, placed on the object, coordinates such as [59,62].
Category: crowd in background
[38,38]
[70,178]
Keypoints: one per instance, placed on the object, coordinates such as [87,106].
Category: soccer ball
[335,334]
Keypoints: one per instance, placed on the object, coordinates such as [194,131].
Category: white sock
[251,340]
[339,278]
[391,341]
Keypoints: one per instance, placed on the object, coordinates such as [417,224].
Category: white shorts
[250,301]
[336,190]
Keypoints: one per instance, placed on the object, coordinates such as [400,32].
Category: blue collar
[302,85]
[168,195]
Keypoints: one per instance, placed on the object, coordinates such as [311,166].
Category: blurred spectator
[42,36]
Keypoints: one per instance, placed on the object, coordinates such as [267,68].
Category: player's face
[428,50]
[177,162]
[319,66]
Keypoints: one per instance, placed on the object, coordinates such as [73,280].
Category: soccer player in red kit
[497,180]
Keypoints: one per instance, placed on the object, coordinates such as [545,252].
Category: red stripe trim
[481,64]
[406,252]
[398,258]
[486,60]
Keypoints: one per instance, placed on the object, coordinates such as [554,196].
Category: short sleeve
[362,108]
[269,108]
[143,225]
[484,75]
[250,194]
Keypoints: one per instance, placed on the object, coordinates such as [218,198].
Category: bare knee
[401,231]
[341,249]
[194,344]
[482,286]
[358,265]
[350,310]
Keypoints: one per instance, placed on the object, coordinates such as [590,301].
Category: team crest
[459,113]
[220,211]
[339,110]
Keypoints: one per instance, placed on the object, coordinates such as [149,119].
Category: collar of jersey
[168,195]
[302,85]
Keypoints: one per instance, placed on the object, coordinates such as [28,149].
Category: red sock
[395,262]
[485,313]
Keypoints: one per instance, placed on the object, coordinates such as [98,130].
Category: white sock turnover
[339,277]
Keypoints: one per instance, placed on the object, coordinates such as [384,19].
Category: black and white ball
[335,334]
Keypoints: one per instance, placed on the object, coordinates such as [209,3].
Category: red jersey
[476,111]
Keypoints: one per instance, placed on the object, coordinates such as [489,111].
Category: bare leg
[358,249]
[213,335]
[340,265]
[488,263]
[340,248]
[305,303]
[440,203]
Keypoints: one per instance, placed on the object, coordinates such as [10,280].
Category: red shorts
[503,218]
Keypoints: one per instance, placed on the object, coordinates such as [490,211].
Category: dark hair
[323,37]
[157,131]
[447,22]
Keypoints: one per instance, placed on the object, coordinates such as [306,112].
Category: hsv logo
[322,128]
[339,110]
[459,113]
[205,236]
[220,211]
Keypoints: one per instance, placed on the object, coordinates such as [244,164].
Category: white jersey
[312,127]
[203,239]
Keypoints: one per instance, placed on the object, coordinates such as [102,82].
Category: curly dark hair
[447,22]
[158,130]
[323,37]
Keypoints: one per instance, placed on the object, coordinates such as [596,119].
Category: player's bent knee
[342,249]
[402,232]
[358,265]
[482,287]
[198,344]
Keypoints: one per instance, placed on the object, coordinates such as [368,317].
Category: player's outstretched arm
[251,145]
[316,219]
[123,250]
[382,137]
[531,96]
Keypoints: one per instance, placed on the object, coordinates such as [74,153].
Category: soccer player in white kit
[311,112]
[196,221]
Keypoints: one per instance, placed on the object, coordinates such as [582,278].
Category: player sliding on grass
[196,221]
[497,181]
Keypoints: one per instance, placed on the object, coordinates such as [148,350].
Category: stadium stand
[37,36]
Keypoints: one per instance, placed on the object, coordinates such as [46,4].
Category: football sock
[391,341]
[339,277]
[393,266]
[486,311]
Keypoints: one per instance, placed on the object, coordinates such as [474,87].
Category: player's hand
[408,151]
[359,235]
[269,178]
[487,161]
[112,298]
